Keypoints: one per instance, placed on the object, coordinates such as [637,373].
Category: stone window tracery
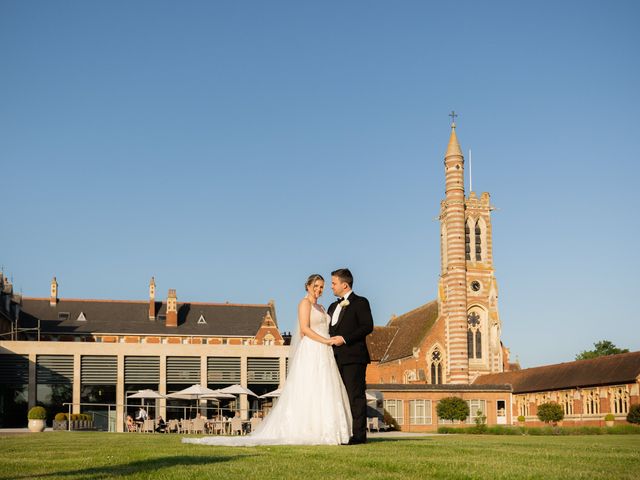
[619,400]
[591,402]
[474,336]
[436,367]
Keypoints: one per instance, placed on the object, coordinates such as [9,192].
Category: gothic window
[478,235]
[436,367]
[619,400]
[467,241]
[523,405]
[566,400]
[591,400]
[474,336]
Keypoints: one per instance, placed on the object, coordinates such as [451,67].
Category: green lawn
[90,455]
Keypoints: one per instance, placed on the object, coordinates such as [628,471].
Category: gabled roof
[608,370]
[411,327]
[132,318]
[379,340]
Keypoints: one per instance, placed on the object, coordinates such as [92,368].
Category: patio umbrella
[370,398]
[146,394]
[238,390]
[218,395]
[273,394]
[194,392]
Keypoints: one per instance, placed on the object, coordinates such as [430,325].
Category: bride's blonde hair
[312,278]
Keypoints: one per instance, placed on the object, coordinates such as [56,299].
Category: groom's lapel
[344,309]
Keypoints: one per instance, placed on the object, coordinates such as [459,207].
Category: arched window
[436,367]
[474,336]
[467,240]
[619,400]
[566,400]
[591,400]
[409,376]
[478,235]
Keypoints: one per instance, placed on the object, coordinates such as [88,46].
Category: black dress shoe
[357,441]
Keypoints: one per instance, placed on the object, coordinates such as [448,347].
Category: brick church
[451,346]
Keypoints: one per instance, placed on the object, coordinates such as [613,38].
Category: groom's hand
[337,341]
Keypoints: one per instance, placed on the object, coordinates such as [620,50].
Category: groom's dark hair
[344,274]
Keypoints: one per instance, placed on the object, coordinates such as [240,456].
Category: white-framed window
[409,376]
[420,412]
[591,402]
[474,407]
[396,410]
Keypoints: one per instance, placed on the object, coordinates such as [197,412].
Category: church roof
[608,370]
[411,328]
[379,340]
[83,317]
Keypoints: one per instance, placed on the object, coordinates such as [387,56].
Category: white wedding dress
[313,408]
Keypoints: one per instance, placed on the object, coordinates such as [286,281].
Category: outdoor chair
[255,421]
[236,426]
[148,426]
[197,425]
[373,424]
[173,426]
[185,425]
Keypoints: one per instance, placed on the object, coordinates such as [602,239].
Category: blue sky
[232,148]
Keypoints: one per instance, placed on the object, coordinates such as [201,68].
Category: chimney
[152,299]
[172,309]
[53,300]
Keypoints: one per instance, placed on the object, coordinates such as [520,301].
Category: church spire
[454,146]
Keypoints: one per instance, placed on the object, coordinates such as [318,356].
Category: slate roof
[411,329]
[379,340]
[608,370]
[132,318]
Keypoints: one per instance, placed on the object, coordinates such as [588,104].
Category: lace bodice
[319,320]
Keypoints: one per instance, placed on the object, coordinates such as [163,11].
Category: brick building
[80,351]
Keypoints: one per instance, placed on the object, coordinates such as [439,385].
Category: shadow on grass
[141,466]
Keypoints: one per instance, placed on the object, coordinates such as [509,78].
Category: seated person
[161,425]
[131,425]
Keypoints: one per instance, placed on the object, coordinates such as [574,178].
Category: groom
[351,322]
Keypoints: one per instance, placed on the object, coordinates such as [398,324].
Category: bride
[313,408]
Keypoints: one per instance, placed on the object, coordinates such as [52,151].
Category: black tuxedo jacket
[354,324]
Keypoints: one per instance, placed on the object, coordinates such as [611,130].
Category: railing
[106,421]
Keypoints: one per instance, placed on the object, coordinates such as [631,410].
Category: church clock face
[475,286]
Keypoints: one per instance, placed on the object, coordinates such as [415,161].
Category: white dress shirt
[336,313]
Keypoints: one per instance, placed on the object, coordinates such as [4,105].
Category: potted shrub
[609,419]
[60,422]
[37,417]
[521,419]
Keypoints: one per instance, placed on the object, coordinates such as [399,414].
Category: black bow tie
[341,299]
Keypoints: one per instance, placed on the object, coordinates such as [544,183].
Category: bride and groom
[323,399]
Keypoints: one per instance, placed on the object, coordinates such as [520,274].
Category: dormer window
[63,316]
[201,320]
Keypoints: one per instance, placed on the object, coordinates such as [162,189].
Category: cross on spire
[453,116]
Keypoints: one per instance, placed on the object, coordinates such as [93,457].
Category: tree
[550,412]
[452,408]
[603,347]
[634,414]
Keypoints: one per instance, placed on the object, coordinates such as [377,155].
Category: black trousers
[354,379]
